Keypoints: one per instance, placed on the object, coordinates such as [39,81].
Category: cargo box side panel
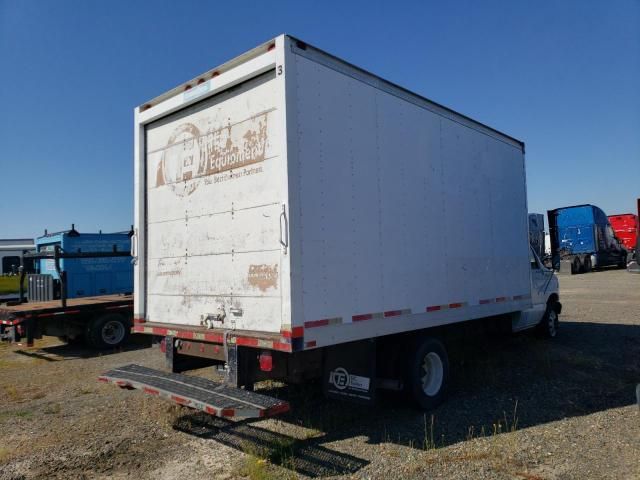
[400,209]
[214,199]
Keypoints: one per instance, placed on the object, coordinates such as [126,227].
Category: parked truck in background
[582,237]
[87,276]
[634,265]
[297,217]
[82,290]
[625,226]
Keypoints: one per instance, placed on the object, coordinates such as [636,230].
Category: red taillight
[266,361]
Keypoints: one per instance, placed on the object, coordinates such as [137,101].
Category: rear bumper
[285,341]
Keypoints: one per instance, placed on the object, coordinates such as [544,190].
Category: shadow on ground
[74,351]
[499,385]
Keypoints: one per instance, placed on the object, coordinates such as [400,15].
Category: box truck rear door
[214,205]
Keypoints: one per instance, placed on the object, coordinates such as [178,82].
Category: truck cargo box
[288,191]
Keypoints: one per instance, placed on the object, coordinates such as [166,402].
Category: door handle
[134,247]
[284,229]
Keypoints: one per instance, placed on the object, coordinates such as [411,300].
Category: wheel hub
[113,332]
[433,374]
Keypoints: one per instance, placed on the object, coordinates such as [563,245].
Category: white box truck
[298,217]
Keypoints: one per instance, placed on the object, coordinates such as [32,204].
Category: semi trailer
[625,226]
[634,265]
[582,238]
[299,218]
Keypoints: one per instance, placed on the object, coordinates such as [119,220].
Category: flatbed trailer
[104,321]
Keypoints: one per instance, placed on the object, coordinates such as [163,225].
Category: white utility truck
[297,217]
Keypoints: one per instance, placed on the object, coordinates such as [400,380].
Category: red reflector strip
[310,344]
[393,313]
[275,410]
[295,332]
[283,347]
[210,410]
[159,331]
[316,323]
[434,308]
[103,379]
[521,297]
[212,337]
[360,318]
[180,400]
[486,301]
[501,299]
[138,320]
[247,342]
[118,306]
[227,412]
[151,391]
[456,305]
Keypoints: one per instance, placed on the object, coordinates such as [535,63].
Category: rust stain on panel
[191,153]
[263,276]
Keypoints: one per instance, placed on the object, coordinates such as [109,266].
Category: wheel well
[554,300]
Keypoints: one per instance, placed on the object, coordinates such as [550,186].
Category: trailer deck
[16,314]
[199,393]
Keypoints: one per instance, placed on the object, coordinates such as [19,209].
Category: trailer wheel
[108,331]
[586,263]
[428,373]
[548,326]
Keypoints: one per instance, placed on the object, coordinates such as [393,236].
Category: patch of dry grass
[6,455]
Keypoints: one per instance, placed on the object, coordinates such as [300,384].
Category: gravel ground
[520,407]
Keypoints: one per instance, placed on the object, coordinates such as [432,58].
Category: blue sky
[564,76]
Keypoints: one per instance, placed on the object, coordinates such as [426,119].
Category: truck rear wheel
[108,331]
[428,373]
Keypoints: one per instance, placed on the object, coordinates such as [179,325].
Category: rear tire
[428,373]
[587,267]
[108,331]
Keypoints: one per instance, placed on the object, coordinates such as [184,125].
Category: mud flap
[350,372]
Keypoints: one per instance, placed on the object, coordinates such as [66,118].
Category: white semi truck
[297,217]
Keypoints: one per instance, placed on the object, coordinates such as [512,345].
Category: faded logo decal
[263,276]
[191,154]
